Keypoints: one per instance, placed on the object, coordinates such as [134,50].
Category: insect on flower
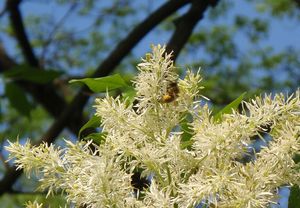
[172,93]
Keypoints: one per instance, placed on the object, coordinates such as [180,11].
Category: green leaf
[228,108]
[296,158]
[97,138]
[103,84]
[186,144]
[18,200]
[185,127]
[187,134]
[94,122]
[294,198]
[18,99]
[25,72]
[129,94]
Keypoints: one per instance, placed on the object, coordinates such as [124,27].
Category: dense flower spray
[187,166]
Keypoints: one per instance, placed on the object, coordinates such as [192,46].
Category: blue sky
[283,33]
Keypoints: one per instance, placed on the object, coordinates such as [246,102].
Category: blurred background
[241,46]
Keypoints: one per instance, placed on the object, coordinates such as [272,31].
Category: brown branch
[11,174]
[126,45]
[19,31]
[52,102]
[45,94]
[185,25]
[108,65]
[121,50]
[297,2]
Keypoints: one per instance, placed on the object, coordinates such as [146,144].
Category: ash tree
[185,167]
[57,57]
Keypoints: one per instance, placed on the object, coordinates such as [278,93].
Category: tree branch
[185,25]
[121,50]
[297,2]
[126,45]
[45,94]
[19,31]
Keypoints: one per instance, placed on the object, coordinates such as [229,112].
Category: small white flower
[188,166]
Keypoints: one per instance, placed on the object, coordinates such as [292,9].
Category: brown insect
[172,93]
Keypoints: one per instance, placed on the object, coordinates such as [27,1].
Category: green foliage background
[71,38]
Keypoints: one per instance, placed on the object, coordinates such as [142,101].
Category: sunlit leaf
[187,132]
[228,108]
[129,94]
[103,84]
[97,138]
[94,122]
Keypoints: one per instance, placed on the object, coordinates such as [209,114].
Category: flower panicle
[187,157]
[157,72]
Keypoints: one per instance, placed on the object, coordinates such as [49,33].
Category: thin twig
[185,25]
[20,32]
[51,35]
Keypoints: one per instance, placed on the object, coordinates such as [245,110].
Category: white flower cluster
[186,166]
[33,205]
